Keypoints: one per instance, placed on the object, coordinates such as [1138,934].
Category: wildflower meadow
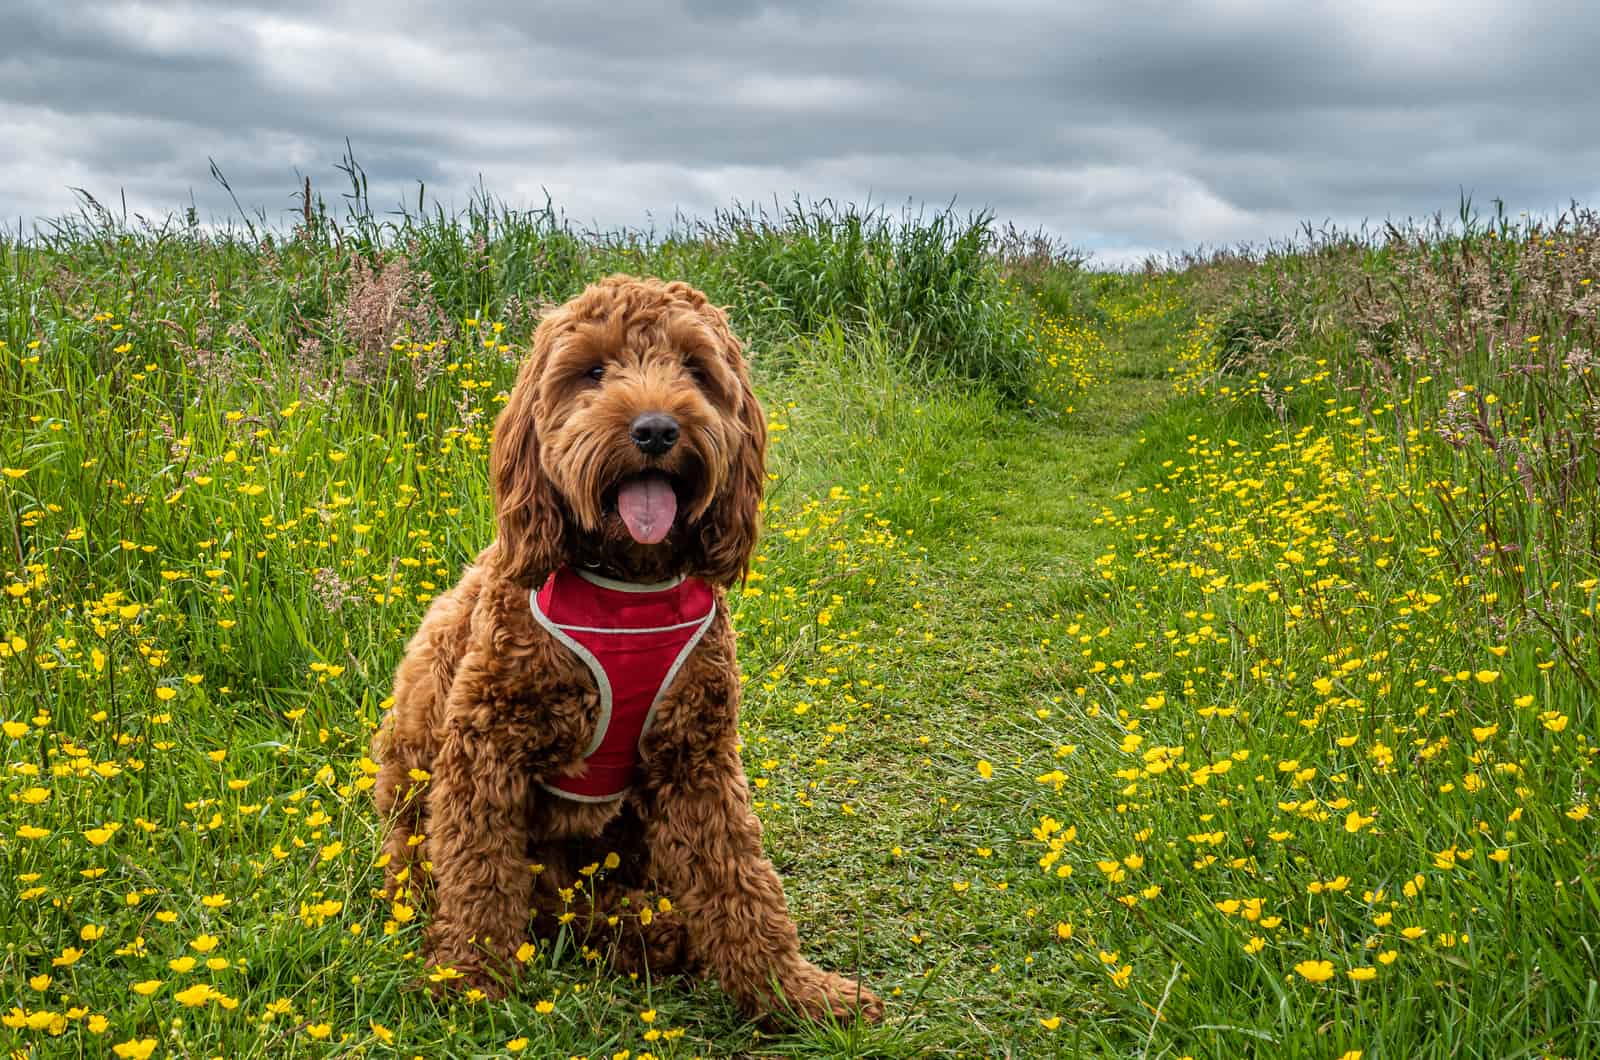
[1200,661]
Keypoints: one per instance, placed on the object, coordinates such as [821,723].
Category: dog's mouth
[647,504]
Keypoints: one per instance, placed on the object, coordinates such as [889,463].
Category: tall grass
[1477,345]
[935,280]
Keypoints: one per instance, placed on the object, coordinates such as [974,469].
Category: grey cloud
[1123,126]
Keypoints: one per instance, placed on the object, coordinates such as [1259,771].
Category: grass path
[970,682]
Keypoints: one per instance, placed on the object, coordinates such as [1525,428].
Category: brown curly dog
[563,742]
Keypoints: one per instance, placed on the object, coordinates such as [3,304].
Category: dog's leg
[705,844]
[478,810]
[401,802]
[405,743]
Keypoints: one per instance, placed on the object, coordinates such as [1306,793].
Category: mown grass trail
[924,872]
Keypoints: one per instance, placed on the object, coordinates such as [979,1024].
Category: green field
[1198,662]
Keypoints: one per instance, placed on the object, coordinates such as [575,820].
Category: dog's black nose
[654,432]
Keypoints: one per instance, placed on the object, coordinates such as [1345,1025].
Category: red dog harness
[634,639]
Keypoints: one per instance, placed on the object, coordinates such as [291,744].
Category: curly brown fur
[487,703]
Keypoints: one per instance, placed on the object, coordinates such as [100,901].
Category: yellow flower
[1362,975]
[146,987]
[100,836]
[319,1031]
[985,770]
[194,996]
[516,1045]
[1315,971]
[544,1008]
[1050,1024]
[135,1049]
[204,943]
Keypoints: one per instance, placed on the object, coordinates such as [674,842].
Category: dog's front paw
[819,996]
[445,980]
[456,971]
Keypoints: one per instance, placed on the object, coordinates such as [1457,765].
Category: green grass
[1138,605]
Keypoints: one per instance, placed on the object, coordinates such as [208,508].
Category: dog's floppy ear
[728,538]
[527,508]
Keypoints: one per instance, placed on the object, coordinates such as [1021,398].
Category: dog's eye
[597,372]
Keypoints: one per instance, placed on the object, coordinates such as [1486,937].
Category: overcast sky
[1121,127]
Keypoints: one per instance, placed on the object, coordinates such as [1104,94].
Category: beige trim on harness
[603,722]
[672,674]
[628,587]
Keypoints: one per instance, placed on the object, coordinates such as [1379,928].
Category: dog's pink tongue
[648,506]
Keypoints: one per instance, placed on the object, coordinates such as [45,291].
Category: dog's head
[631,433]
